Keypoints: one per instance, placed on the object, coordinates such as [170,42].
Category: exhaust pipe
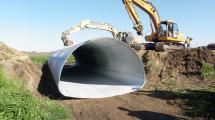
[104,67]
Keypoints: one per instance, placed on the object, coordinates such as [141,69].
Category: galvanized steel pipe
[104,67]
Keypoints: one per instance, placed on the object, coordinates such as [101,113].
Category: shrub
[208,71]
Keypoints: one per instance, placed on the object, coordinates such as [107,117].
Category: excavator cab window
[172,30]
[168,29]
[163,29]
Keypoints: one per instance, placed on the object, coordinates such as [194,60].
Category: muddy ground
[166,72]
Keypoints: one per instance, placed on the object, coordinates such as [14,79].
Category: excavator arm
[148,8]
[88,24]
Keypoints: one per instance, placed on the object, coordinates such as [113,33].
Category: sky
[37,25]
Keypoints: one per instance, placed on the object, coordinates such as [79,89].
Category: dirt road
[134,106]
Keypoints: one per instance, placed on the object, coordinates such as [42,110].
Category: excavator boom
[145,6]
[87,24]
[126,37]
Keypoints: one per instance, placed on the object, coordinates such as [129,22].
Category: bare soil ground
[133,106]
[165,72]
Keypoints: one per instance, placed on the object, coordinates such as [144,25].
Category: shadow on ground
[47,86]
[195,103]
[148,115]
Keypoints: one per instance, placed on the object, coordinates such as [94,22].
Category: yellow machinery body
[162,31]
[166,34]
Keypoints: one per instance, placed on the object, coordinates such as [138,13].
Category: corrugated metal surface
[104,67]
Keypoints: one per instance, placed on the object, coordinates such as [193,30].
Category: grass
[208,71]
[17,103]
[71,59]
[195,103]
[42,59]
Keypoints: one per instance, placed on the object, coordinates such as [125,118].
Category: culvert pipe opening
[104,67]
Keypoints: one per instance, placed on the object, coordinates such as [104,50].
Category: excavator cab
[168,29]
[169,32]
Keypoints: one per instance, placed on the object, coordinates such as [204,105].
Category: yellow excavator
[165,34]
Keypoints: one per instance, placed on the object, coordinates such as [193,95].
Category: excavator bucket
[104,67]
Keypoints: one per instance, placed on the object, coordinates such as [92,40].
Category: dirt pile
[180,61]
[25,70]
[176,68]
[7,53]
[18,64]
[189,61]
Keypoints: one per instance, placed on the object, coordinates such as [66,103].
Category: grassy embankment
[17,103]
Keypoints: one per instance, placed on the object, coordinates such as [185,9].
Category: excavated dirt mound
[175,64]
[18,64]
[176,69]
[189,61]
[25,70]
[7,53]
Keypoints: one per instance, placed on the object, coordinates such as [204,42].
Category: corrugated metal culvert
[104,67]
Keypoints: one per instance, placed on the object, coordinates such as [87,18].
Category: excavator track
[164,46]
